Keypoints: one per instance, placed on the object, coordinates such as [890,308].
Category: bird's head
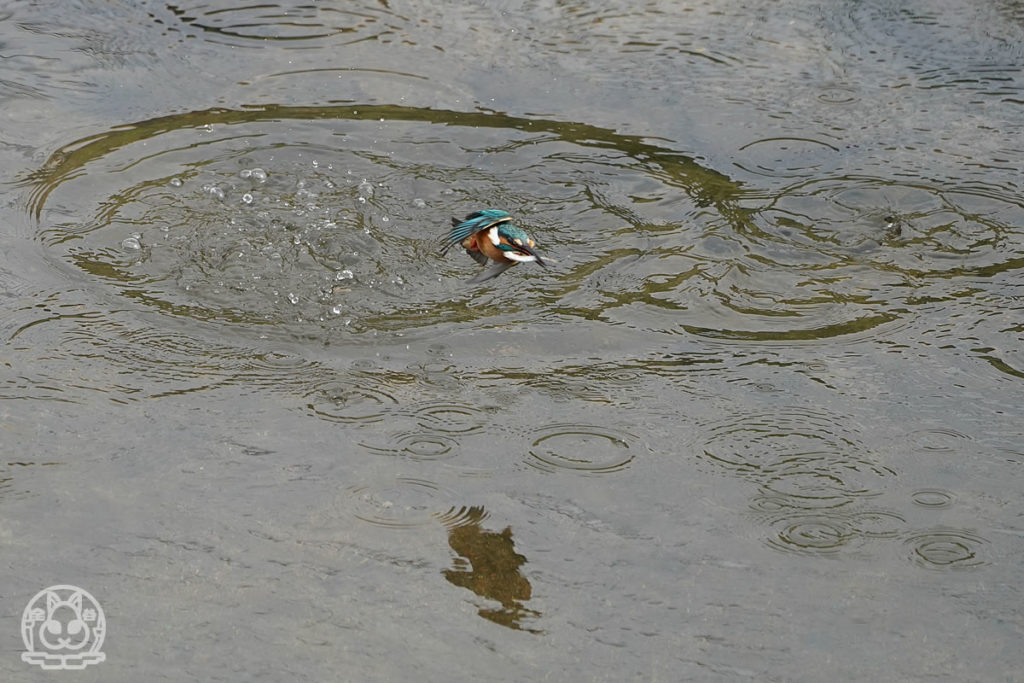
[514,243]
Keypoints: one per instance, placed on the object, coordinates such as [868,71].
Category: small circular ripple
[804,457]
[814,489]
[876,523]
[245,24]
[347,402]
[401,503]
[936,440]
[418,446]
[580,447]
[910,229]
[811,534]
[462,516]
[833,256]
[837,94]
[933,498]
[788,157]
[166,363]
[449,417]
[946,548]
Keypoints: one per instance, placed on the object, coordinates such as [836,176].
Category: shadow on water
[489,565]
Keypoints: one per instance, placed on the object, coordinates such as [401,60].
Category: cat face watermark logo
[63,628]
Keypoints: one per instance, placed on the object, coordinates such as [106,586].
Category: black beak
[529,250]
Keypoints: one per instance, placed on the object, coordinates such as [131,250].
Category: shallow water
[761,418]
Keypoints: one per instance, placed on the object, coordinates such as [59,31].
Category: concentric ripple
[939,440]
[301,218]
[350,400]
[845,255]
[325,221]
[788,157]
[247,24]
[916,230]
[449,418]
[944,548]
[417,446]
[582,448]
[934,499]
[807,456]
[814,530]
[811,535]
[402,503]
[456,517]
[815,481]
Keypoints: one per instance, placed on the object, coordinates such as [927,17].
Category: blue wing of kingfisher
[490,237]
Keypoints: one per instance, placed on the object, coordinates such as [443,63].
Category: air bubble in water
[176,182]
[214,191]
[294,298]
[247,198]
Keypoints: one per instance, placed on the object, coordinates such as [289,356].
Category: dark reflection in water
[488,565]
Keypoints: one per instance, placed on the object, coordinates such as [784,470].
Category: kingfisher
[489,236]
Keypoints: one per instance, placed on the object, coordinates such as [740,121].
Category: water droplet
[247,198]
[131,243]
[419,203]
[293,298]
[336,310]
[384,219]
[244,173]
[259,174]
[345,274]
[365,189]
[176,182]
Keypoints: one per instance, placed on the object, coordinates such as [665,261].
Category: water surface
[760,419]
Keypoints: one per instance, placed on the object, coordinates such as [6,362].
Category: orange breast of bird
[482,243]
